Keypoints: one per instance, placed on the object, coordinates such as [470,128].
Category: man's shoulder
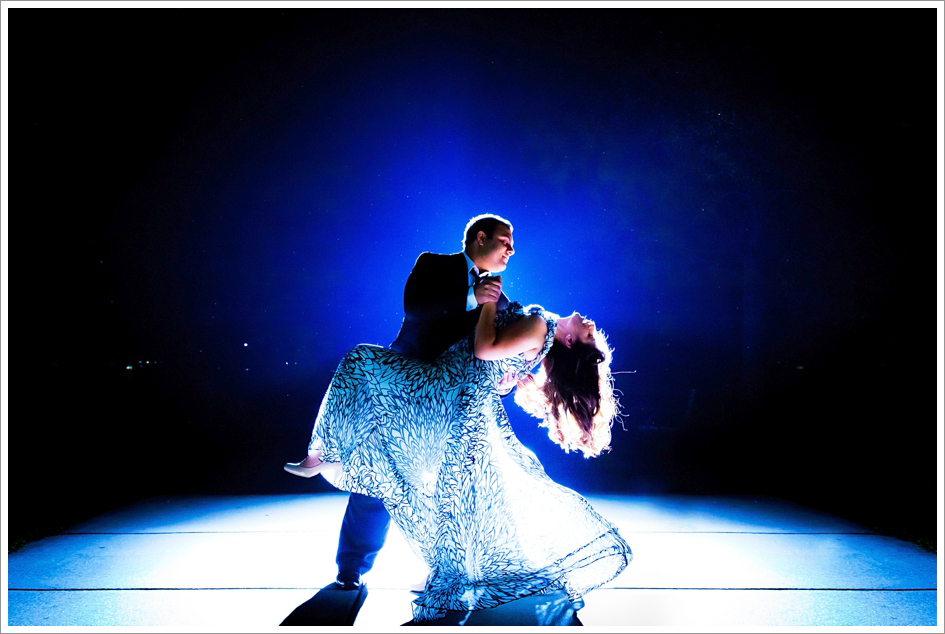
[427,258]
[444,256]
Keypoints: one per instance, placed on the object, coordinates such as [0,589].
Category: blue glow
[309,198]
[703,189]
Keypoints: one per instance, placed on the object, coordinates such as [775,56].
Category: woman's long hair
[573,394]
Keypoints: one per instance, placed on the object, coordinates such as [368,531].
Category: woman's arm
[522,335]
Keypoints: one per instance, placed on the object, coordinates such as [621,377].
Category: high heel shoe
[296,468]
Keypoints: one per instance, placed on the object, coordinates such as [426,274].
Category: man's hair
[483,222]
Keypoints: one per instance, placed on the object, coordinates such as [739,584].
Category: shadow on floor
[330,606]
[538,610]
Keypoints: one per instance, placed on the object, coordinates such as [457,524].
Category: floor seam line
[406,589]
[622,532]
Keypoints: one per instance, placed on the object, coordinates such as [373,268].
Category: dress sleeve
[552,321]
[507,315]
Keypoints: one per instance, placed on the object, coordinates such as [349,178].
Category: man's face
[494,252]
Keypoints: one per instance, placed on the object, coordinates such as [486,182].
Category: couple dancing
[419,431]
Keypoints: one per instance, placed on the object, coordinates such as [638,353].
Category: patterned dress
[433,441]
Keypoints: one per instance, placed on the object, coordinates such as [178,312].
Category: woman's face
[578,328]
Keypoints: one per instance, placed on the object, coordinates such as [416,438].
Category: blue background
[226,201]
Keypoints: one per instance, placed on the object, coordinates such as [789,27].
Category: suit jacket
[435,315]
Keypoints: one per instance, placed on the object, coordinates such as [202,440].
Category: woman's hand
[526,380]
[507,382]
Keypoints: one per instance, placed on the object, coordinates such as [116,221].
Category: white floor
[244,563]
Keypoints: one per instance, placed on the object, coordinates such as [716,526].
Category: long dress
[434,442]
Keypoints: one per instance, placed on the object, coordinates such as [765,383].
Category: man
[443,297]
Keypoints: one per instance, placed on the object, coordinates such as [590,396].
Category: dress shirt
[473,271]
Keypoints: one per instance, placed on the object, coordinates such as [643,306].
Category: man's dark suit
[435,317]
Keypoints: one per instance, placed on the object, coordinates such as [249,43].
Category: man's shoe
[348,580]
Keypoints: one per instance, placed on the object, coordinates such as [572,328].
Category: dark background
[209,207]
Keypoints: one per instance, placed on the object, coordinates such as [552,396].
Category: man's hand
[489,290]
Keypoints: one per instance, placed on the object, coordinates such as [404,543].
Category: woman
[433,441]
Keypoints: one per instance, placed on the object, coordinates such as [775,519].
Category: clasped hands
[488,289]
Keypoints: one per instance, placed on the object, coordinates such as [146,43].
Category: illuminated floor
[244,563]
